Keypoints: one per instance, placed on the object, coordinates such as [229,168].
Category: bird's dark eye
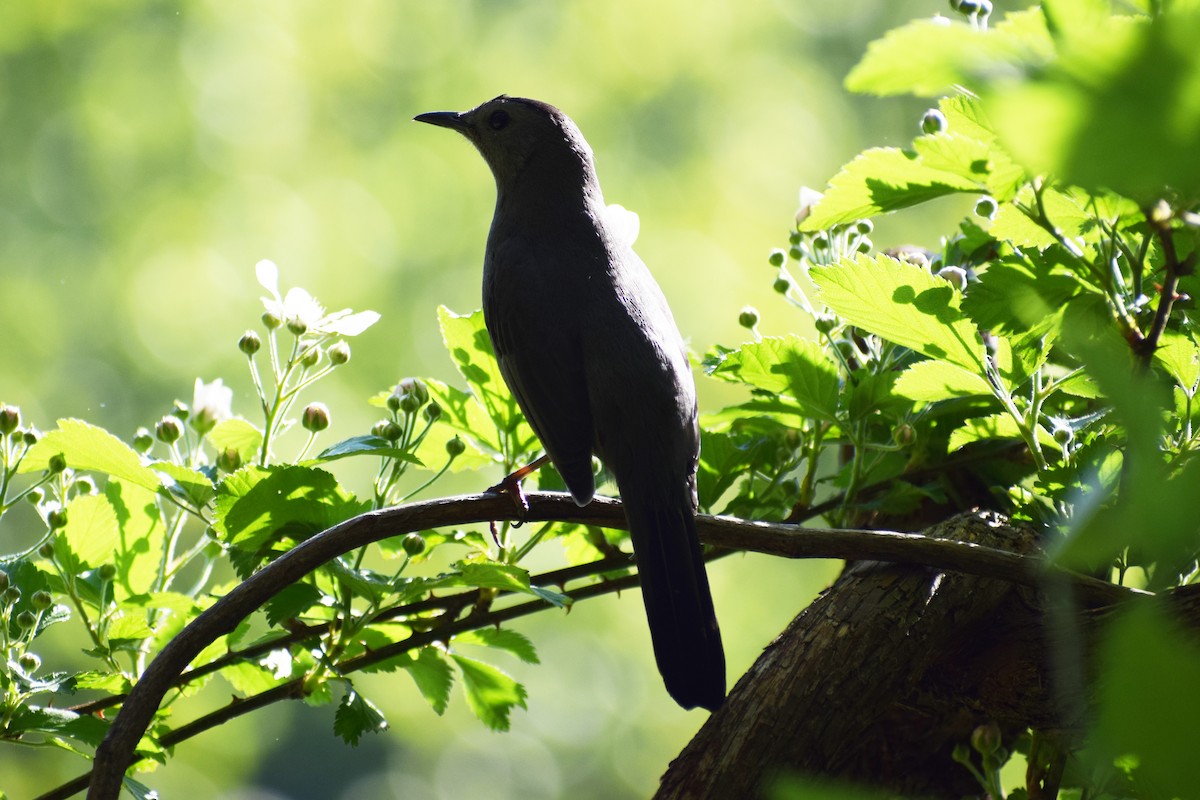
[498,120]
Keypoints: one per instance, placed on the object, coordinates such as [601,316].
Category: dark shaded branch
[116,752]
[1167,295]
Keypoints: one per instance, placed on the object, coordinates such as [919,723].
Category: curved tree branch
[116,752]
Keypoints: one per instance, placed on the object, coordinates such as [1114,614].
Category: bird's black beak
[444,119]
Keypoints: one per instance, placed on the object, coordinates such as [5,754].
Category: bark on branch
[116,752]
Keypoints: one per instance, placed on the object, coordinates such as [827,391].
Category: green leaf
[880,180]
[139,791]
[491,694]
[258,505]
[928,57]
[58,722]
[903,304]
[366,445]
[249,679]
[138,553]
[1180,356]
[789,365]
[1015,294]
[556,599]
[470,348]
[433,676]
[87,447]
[192,486]
[91,531]
[236,434]
[1148,703]
[930,381]
[996,426]
[1115,109]
[292,602]
[502,639]
[505,577]
[355,716]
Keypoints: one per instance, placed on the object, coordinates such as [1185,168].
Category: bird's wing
[542,364]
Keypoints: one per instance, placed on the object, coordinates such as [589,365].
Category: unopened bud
[30,662]
[934,121]
[180,410]
[820,241]
[956,276]
[310,357]
[824,323]
[781,285]
[26,620]
[46,550]
[339,353]
[748,318]
[270,321]
[412,394]
[297,326]
[433,412]
[987,739]
[455,447]
[985,207]
[143,440]
[56,518]
[30,437]
[315,418]
[168,430]
[864,226]
[41,600]
[249,343]
[1063,433]
[904,434]
[777,258]
[386,429]
[229,459]
[83,485]
[865,245]
[4,579]
[56,463]
[11,595]
[108,572]
[10,419]
[413,544]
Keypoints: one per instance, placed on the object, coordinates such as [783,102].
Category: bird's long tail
[679,606]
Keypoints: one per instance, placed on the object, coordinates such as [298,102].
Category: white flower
[300,306]
[623,223]
[808,199]
[211,403]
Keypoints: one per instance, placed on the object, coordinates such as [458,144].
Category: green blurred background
[152,152]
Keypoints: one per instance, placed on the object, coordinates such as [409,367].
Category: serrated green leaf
[91,531]
[59,722]
[930,381]
[880,180]
[292,602]
[903,304]
[1180,356]
[470,349]
[502,639]
[506,577]
[109,682]
[257,505]
[249,679]
[788,365]
[190,485]
[366,445]
[556,599]
[138,554]
[355,716]
[1015,294]
[236,434]
[995,426]
[433,676]
[87,447]
[491,694]
[928,57]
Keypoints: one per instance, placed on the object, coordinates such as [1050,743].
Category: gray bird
[589,348]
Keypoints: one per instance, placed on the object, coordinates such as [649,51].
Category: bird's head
[513,133]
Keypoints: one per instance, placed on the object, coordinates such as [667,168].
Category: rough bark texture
[892,666]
